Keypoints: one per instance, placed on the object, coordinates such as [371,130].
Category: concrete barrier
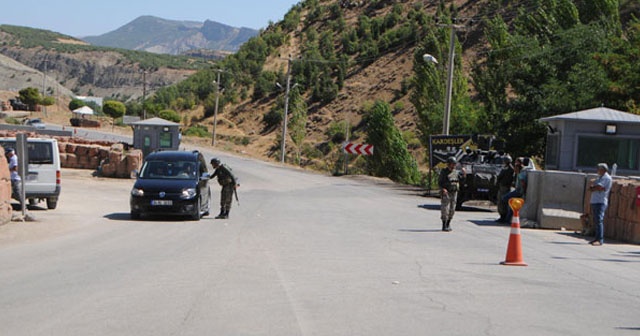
[561,200]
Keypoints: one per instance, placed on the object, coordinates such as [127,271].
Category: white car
[36,122]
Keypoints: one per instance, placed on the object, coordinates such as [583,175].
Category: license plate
[161,202]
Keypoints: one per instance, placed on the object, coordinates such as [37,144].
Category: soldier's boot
[448,226]
[444,225]
[226,214]
[221,215]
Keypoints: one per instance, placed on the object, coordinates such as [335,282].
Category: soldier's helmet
[451,159]
[215,161]
[507,159]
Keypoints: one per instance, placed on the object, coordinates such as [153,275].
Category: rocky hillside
[157,35]
[87,70]
[14,75]
[347,54]
[382,77]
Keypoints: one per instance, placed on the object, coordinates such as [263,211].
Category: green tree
[48,101]
[114,109]
[75,104]
[429,85]
[555,61]
[170,115]
[298,121]
[30,96]
[390,156]
[605,11]
[491,77]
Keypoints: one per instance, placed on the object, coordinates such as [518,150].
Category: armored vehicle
[482,169]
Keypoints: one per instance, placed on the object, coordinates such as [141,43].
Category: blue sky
[89,17]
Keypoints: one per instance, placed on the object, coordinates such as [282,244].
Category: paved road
[90,133]
[304,254]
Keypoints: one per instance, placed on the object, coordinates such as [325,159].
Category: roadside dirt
[67,217]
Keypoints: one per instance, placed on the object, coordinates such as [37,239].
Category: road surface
[304,254]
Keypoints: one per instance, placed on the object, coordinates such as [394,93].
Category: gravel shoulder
[73,211]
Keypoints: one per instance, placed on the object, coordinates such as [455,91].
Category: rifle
[235,192]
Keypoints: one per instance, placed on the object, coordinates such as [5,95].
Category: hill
[90,70]
[13,76]
[157,35]
[514,64]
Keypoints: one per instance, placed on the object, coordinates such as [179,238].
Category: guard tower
[155,134]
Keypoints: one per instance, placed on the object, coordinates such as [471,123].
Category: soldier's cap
[603,166]
[215,161]
[508,159]
[451,159]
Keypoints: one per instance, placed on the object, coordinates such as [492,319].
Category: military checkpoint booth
[155,134]
[558,196]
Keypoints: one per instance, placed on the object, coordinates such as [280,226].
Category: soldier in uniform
[504,181]
[449,183]
[228,182]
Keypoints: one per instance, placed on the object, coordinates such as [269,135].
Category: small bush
[12,121]
[197,130]
[337,132]
[272,118]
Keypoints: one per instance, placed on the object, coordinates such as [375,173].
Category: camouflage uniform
[448,180]
[228,182]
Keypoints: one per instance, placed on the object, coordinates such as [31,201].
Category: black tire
[196,210]
[52,203]
[33,201]
[135,215]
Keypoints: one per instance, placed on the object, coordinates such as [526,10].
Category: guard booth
[155,134]
[578,141]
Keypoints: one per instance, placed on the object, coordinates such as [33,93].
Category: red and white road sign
[363,149]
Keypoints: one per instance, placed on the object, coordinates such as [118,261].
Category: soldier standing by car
[229,184]
[449,184]
[505,181]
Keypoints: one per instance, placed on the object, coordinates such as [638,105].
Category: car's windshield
[168,170]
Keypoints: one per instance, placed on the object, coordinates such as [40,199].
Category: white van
[43,178]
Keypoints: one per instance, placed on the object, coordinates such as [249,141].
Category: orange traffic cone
[514,249]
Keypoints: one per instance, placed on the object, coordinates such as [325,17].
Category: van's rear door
[43,178]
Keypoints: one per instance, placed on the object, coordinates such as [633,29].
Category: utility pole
[286,111]
[447,102]
[144,94]
[44,77]
[215,111]
[346,155]
[44,80]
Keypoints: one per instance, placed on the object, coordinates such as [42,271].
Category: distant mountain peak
[158,35]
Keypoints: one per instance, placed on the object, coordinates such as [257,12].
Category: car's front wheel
[135,215]
[195,215]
